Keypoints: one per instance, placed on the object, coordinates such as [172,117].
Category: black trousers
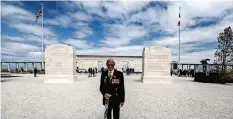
[34,74]
[114,104]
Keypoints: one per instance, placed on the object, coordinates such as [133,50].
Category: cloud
[18,47]
[83,32]
[80,44]
[15,14]
[122,34]
[33,29]
[124,25]
[80,16]
[12,38]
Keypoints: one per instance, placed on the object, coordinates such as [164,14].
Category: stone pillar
[33,65]
[9,67]
[17,65]
[1,66]
[25,66]
[41,66]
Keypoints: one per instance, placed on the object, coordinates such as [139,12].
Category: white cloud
[115,42]
[18,47]
[196,57]
[122,34]
[9,10]
[61,21]
[12,38]
[15,14]
[80,16]
[80,44]
[83,32]
[33,29]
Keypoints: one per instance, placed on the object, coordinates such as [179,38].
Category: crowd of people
[129,71]
[92,72]
[184,72]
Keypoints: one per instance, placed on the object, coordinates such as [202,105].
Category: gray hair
[110,60]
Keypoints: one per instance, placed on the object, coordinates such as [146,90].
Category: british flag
[39,13]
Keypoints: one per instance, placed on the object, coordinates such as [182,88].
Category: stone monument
[60,64]
[156,65]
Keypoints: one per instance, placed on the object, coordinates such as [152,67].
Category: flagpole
[179,39]
[42,42]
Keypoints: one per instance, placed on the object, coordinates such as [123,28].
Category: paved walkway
[27,97]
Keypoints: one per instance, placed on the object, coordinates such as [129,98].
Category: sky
[114,27]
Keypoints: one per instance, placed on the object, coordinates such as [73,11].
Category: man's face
[110,65]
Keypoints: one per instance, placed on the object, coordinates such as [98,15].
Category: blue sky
[114,28]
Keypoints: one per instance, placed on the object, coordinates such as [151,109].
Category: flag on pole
[179,19]
[39,13]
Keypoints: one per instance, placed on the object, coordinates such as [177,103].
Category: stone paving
[27,97]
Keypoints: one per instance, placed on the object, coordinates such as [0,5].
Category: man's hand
[122,103]
[107,96]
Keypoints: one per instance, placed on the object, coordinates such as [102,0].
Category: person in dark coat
[112,88]
[102,69]
[89,72]
[35,71]
[93,72]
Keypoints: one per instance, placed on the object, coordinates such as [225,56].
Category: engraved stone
[156,65]
[60,63]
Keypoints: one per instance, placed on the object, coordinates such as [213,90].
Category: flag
[179,19]
[39,13]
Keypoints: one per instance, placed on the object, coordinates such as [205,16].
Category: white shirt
[110,75]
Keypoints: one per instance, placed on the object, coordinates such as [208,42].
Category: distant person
[22,70]
[112,89]
[77,70]
[93,72]
[96,70]
[35,71]
[102,69]
[89,72]
[171,72]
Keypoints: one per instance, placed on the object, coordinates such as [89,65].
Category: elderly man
[112,89]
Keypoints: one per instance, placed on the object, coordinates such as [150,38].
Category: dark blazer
[116,90]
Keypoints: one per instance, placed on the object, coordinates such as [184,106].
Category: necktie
[110,74]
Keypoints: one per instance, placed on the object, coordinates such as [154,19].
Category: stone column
[41,66]
[9,67]
[33,65]
[25,66]
[44,66]
[1,66]
[17,65]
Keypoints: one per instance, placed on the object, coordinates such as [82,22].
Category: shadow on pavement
[5,80]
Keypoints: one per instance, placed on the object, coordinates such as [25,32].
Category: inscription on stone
[60,61]
[156,64]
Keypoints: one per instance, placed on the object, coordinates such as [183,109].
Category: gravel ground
[27,97]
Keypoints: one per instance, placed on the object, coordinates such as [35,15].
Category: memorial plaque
[60,63]
[156,65]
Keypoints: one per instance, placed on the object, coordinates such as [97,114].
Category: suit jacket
[117,90]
